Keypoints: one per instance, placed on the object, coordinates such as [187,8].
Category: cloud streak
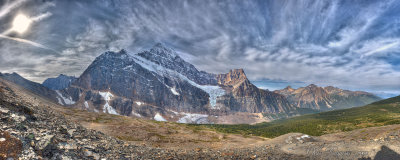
[28,42]
[8,7]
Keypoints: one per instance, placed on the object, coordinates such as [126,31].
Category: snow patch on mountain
[173,90]
[67,101]
[136,114]
[213,91]
[107,108]
[193,118]
[139,103]
[86,105]
[60,101]
[158,117]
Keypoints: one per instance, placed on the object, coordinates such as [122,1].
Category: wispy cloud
[41,17]
[326,42]
[8,7]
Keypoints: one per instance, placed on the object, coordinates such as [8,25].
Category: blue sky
[352,44]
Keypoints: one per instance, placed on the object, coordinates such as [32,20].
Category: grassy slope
[380,113]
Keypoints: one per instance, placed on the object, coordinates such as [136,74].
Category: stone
[87,153]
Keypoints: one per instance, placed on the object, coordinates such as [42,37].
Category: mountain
[134,84]
[326,98]
[59,96]
[60,82]
[160,85]
[246,97]
[29,85]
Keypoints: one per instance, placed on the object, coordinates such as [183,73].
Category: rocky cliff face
[60,82]
[233,78]
[246,97]
[326,98]
[118,83]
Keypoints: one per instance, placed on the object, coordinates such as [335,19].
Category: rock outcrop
[246,97]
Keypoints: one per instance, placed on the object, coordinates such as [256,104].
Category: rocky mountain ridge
[29,85]
[326,98]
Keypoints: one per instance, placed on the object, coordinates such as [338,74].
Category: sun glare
[21,23]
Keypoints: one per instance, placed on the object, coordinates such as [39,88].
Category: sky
[352,44]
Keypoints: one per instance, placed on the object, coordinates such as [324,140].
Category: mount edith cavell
[199,79]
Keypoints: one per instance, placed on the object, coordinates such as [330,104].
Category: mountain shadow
[384,154]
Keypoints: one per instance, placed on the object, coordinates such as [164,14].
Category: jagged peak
[121,53]
[234,77]
[331,88]
[10,74]
[161,50]
[239,73]
[288,87]
[13,74]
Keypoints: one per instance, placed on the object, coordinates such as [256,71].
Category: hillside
[385,112]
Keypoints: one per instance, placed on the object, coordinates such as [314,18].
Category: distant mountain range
[158,84]
[60,82]
[326,98]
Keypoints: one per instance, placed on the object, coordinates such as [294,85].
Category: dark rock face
[121,75]
[60,82]
[245,97]
[326,98]
[31,86]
